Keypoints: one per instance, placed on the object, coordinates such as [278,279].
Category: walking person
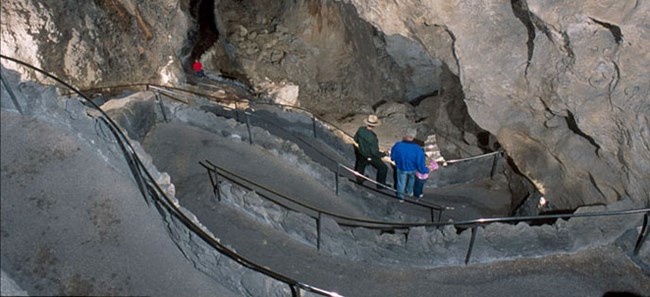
[408,157]
[367,151]
[198,68]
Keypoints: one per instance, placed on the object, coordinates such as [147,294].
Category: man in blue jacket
[408,157]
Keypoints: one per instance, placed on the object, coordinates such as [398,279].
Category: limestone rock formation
[97,43]
[561,86]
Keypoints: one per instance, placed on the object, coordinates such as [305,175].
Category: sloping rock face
[322,46]
[563,86]
[91,43]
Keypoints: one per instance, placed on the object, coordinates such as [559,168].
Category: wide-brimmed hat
[372,120]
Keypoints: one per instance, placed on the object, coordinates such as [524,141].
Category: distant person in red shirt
[198,68]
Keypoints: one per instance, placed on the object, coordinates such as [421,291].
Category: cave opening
[204,33]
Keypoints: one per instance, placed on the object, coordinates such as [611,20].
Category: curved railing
[151,190]
[473,224]
[236,102]
[215,171]
[248,113]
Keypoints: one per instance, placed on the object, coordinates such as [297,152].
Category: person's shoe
[401,201]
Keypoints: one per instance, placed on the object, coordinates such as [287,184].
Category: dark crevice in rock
[520,10]
[416,101]
[453,46]
[378,104]
[573,126]
[615,30]
[568,49]
[204,33]
[208,33]
[594,183]
[613,84]
[541,25]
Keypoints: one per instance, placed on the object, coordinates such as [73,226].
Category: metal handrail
[640,240]
[314,118]
[138,168]
[473,224]
[430,206]
[302,109]
[339,165]
[370,224]
[416,202]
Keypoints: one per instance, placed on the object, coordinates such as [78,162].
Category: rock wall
[322,46]
[343,68]
[563,86]
[91,43]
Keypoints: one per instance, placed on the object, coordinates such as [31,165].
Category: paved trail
[584,274]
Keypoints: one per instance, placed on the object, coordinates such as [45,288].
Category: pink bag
[433,166]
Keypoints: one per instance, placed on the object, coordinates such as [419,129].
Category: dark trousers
[362,162]
[418,187]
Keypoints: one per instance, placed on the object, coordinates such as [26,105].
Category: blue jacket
[409,156]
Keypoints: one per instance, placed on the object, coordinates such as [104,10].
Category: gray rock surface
[97,43]
[106,226]
[74,221]
[561,86]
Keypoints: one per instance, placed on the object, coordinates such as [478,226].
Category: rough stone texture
[324,47]
[434,247]
[92,43]
[563,86]
[79,221]
[122,111]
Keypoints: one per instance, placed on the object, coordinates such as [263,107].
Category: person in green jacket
[367,151]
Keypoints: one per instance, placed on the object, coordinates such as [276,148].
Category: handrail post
[642,235]
[313,121]
[336,178]
[214,180]
[471,245]
[318,226]
[248,126]
[295,291]
[431,210]
[494,165]
[439,215]
[236,112]
[162,107]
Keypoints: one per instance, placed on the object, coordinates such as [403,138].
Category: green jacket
[368,143]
